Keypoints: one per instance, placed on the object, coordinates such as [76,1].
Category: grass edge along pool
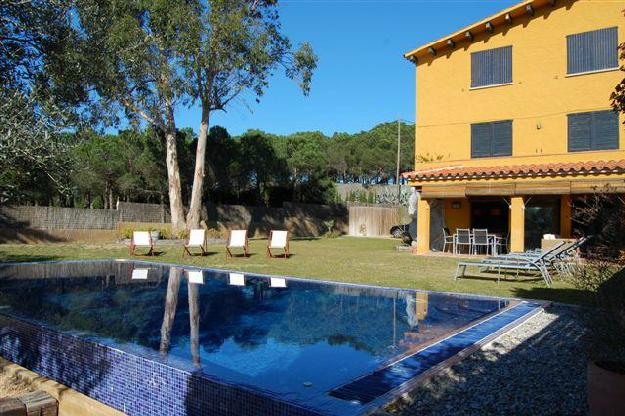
[136,381]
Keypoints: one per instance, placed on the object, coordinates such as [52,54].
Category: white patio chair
[197,239]
[278,240]
[237,239]
[141,239]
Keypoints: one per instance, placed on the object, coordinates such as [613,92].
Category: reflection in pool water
[296,339]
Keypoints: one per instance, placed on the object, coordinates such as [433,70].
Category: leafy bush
[611,296]
[329,224]
[125,229]
[606,323]
[216,234]
[596,271]
[332,234]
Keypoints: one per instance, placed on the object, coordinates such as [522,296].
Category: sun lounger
[278,240]
[538,264]
[237,240]
[141,239]
[564,250]
[197,239]
[561,259]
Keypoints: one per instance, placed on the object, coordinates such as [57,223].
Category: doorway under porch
[522,220]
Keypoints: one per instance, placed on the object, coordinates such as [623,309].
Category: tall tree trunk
[173,174]
[194,322]
[195,206]
[294,195]
[171,300]
[105,198]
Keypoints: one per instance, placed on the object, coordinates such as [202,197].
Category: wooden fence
[372,221]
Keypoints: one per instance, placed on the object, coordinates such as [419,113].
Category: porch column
[423,226]
[566,222]
[517,223]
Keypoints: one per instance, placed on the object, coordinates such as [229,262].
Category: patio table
[496,238]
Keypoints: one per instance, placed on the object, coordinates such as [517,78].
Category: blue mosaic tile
[131,384]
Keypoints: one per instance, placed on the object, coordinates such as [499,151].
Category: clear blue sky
[362,78]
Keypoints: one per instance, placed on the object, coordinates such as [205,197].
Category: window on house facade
[592,51]
[595,130]
[491,67]
[491,139]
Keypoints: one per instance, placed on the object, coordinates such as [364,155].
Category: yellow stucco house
[513,119]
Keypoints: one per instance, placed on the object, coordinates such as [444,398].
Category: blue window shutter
[605,51]
[605,129]
[477,62]
[481,140]
[505,72]
[491,139]
[592,51]
[491,67]
[502,138]
[580,131]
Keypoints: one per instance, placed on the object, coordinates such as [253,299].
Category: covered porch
[521,221]
[519,203]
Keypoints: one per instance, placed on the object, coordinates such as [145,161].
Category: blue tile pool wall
[131,384]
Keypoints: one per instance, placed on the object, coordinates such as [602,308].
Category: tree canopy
[72,70]
[255,168]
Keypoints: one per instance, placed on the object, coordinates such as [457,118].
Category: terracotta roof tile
[544,169]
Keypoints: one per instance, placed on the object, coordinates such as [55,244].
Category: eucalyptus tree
[239,48]
[34,152]
[30,30]
[132,52]
[146,58]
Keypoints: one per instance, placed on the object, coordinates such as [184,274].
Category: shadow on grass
[528,376]
[17,258]
[144,255]
[502,278]
[306,238]
[242,256]
[281,257]
[198,255]
[563,295]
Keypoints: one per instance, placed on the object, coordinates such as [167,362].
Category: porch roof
[517,171]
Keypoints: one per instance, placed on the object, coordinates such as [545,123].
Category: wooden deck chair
[141,239]
[237,239]
[197,239]
[278,240]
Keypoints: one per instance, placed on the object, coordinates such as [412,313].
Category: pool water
[290,338]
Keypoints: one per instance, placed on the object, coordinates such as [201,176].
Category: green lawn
[346,259]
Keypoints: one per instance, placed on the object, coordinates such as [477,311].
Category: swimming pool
[149,338]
